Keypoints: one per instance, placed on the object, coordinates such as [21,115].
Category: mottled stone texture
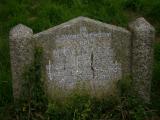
[142,56]
[21,54]
[86,52]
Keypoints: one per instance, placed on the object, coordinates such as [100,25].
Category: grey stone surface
[21,54]
[85,50]
[142,54]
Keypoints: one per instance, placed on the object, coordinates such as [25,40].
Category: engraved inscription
[83,56]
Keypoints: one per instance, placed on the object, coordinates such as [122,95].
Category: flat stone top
[82,19]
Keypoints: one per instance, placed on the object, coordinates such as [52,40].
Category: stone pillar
[21,53]
[143,35]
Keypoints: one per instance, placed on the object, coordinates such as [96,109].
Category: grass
[78,105]
[43,14]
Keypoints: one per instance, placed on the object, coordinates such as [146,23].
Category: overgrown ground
[42,14]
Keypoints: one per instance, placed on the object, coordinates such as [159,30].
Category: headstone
[85,51]
[82,52]
[142,56]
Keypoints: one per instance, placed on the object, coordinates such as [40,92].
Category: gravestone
[81,52]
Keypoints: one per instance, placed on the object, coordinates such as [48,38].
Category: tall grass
[81,106]
[156,79]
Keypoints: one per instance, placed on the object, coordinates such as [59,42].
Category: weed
[81,106]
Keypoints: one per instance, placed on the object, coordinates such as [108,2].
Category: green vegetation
[42,14]
[156,79]
[81,106]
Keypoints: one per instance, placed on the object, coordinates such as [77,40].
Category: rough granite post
[21,53]
[142,56]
